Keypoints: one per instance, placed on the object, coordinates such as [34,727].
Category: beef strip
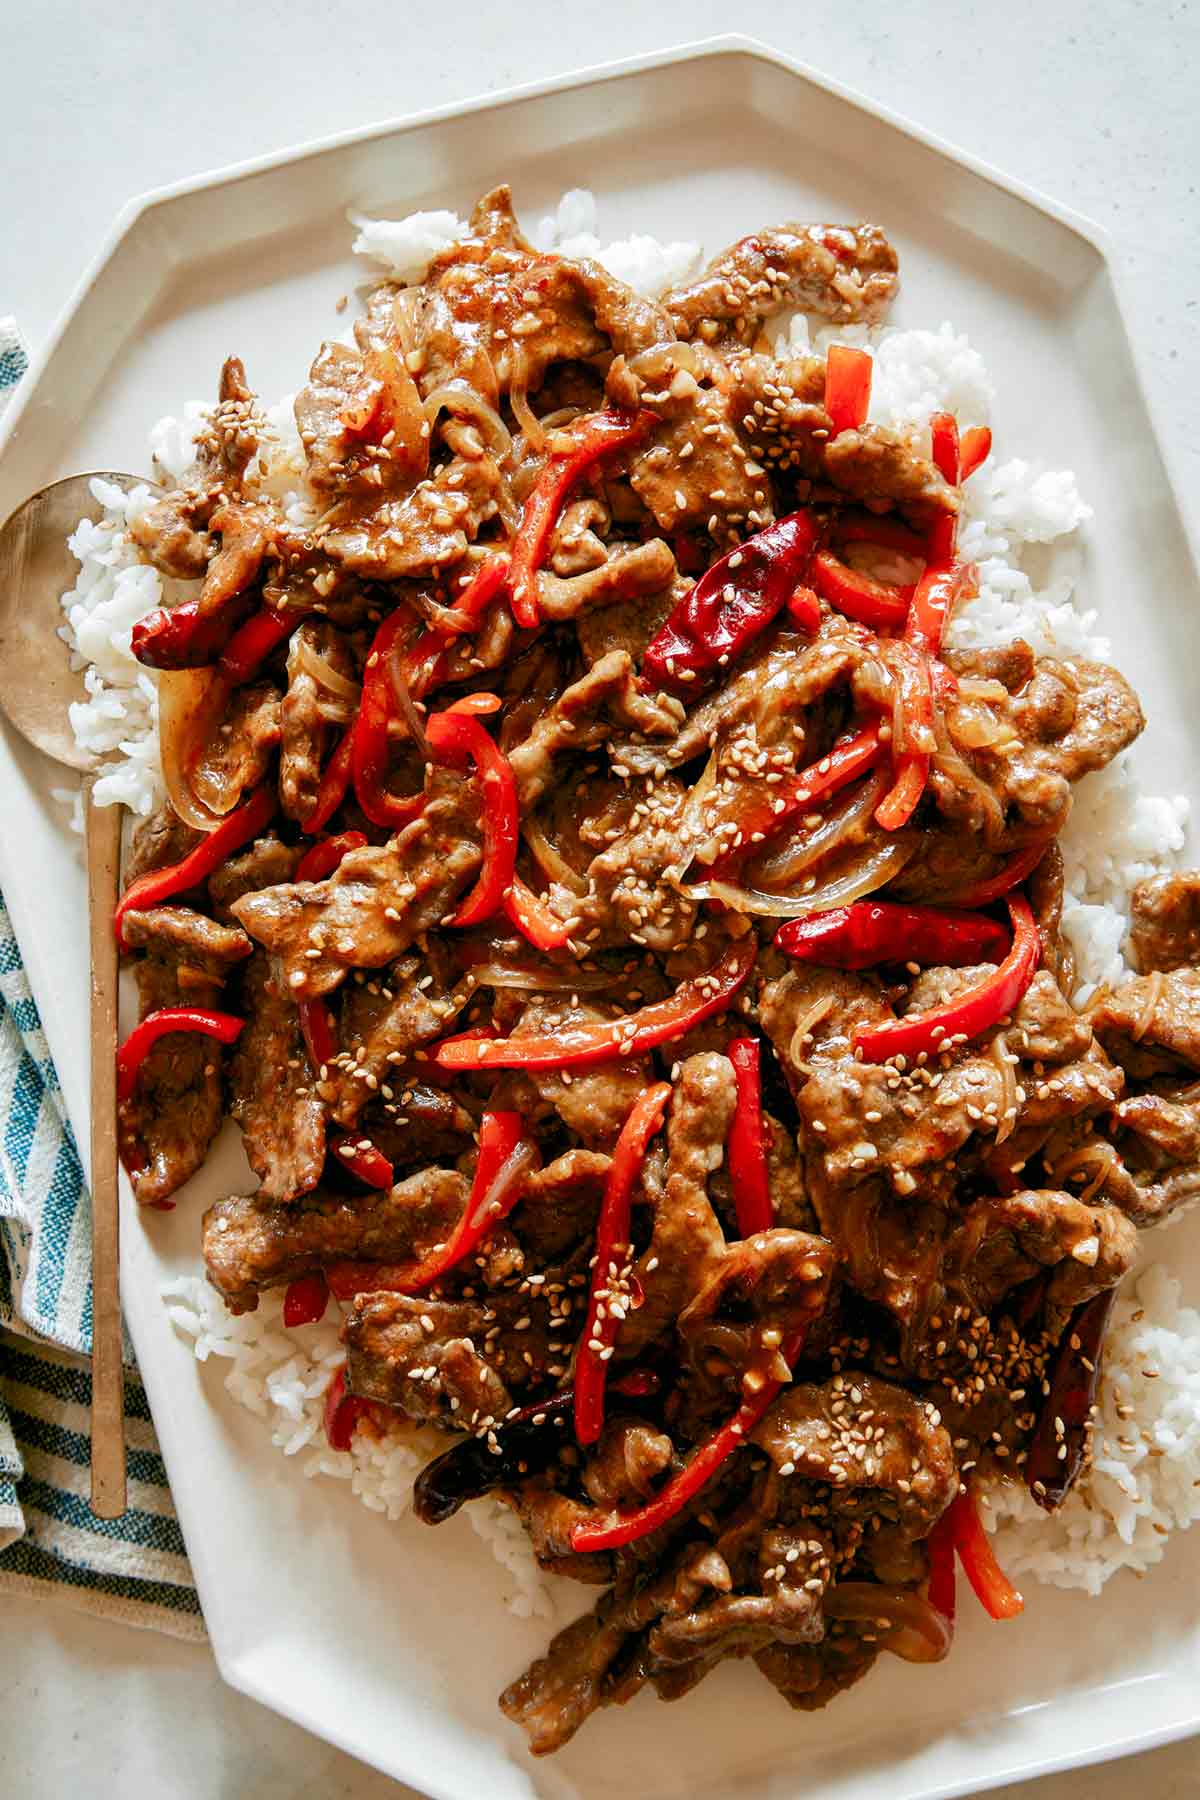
[1004,1240]
[267,862]
[253,1244]
[593,1103]
[376,902]
[272,1087]
[841,272]
[1164,930]
[477,1358]
[879,1449]
[1157,1138]
[380,1024]
[574,722]
[165,1127]
[1151,1025]
[238,755]
[158,841]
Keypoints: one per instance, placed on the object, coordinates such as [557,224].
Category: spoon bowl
[37,682]
[37,686]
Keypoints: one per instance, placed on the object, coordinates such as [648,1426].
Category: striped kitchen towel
[134,1568]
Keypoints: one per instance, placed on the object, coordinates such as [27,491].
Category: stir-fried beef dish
[629,941]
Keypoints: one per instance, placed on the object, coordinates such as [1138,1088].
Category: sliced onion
[550,861]
[323,673]
[884,861]
[797,1054]
[518,399]
[976,727]
[406,703]
[190,706]
[955,767]
[1145,1017]
[1009,1105]
[1099,1156]
[903,1619]
[515,1167]
[544,980]
[801,851]
[457,397]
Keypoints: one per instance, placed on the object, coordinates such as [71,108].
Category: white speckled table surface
[1092,103]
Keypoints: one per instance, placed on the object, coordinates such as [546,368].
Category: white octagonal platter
[393,1640]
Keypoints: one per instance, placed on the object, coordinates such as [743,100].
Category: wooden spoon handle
[102,826]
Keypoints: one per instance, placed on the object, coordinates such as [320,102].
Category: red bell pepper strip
[371,741]
[612,1530]
[974,1011]
[943,432]
[334,785]
[941,1590]
[975,448]
[142,1039]
[457,737]
[872,528]
[870,932]
[934,599]
[1021,864]
[847,387]
[487,581]
[426,664]
[732,604]
[594,434]
[253,642]
[305,1300]
[769,813]
[316,1025]
[533,918]
[804,609]
[235,829]
[480,706]
[316,1028]
[323,858]
[1059,1441]
[613,1250]
[342,1412]
[578,1046]
[496,1186]
[361,1158]
[994,1591]
[858,596]
[911,764]
[747,1142]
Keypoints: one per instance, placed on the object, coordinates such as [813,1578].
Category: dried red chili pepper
[253,642]
[1055,1457]
[731,604]
[870,932]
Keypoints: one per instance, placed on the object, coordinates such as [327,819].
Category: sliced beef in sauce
[169,1121]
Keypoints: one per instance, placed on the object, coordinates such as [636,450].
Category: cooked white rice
[282,1376]
[1145,1478]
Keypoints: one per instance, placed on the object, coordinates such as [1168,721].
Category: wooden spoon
[37,684]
